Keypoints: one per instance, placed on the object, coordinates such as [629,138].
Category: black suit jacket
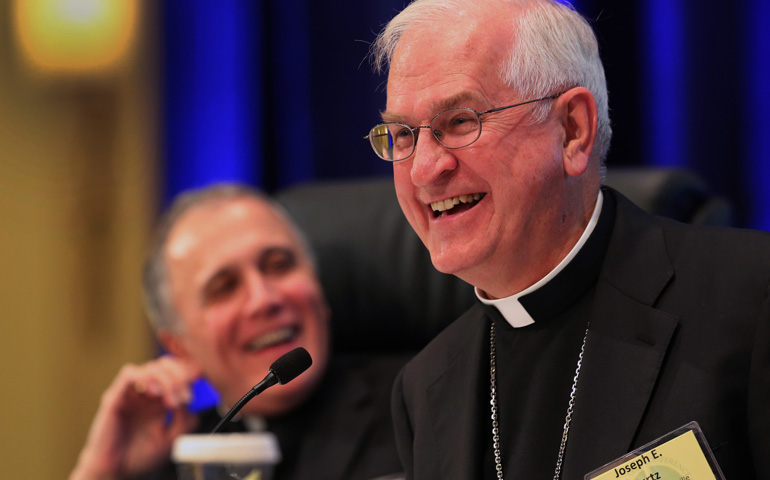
[343,432]
[680,331]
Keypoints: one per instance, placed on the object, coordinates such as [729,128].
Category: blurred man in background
[230,286]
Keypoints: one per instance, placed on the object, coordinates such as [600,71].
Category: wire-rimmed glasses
[454,128]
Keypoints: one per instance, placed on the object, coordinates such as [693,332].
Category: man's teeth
[273,338]
[444,205]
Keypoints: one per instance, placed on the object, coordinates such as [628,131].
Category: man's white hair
[553,48]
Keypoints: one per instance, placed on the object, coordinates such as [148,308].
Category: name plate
[682,454]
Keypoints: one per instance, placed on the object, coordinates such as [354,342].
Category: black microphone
[282,371]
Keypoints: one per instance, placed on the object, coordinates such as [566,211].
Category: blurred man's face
[246,294]
[514,169]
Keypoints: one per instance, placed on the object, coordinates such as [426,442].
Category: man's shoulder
[722,263]
[721,248]
[626,210]
[715,237]
[715,244]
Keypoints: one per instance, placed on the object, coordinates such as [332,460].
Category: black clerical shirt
[536,364]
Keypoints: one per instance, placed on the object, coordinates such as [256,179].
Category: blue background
[252,88]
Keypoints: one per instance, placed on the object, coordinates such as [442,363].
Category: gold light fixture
[74,36]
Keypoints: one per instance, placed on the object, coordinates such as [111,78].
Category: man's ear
[173,343]
[579,119]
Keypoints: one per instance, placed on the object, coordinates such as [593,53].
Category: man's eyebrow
[458,100]
[213,278]
[388,117]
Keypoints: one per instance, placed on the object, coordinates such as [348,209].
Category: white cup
[246,456]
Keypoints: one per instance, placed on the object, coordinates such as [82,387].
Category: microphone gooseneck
[282,371]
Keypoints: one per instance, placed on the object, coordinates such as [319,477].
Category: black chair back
[385,294]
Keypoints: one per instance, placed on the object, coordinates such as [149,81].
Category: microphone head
[291,364]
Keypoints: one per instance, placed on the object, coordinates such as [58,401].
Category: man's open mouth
[457,204]
[273,338]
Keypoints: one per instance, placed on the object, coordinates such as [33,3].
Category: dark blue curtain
[276,93]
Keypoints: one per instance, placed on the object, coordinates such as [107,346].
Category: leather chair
[676,193]
[383,291]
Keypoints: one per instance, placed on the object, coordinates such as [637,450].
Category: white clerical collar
[510,307]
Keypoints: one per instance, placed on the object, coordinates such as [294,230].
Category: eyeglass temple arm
[556,95]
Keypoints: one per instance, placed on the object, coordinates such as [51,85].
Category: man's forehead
[211,240]
[463,98]
[449,63]
[474,82]
[223,221]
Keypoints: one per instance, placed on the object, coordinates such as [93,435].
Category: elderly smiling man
[230,287]
[598,328]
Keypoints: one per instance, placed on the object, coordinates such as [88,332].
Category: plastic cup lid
[257,448]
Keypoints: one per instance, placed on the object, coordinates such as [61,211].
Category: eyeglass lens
[455,128]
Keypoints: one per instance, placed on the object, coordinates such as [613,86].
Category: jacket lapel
[457,425]
[620,367]
[627,344]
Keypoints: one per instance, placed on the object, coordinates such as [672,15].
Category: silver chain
[493,403]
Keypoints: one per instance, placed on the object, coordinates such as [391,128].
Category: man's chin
[279,399]
[448,262]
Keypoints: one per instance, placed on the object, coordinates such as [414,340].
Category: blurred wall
[77,195]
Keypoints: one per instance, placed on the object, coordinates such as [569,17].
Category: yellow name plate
[682,454]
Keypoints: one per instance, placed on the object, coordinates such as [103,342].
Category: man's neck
[505,280]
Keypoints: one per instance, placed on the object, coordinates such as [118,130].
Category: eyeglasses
[453,128]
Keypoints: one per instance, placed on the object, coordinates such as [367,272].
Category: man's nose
[262,295]
[430,161]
